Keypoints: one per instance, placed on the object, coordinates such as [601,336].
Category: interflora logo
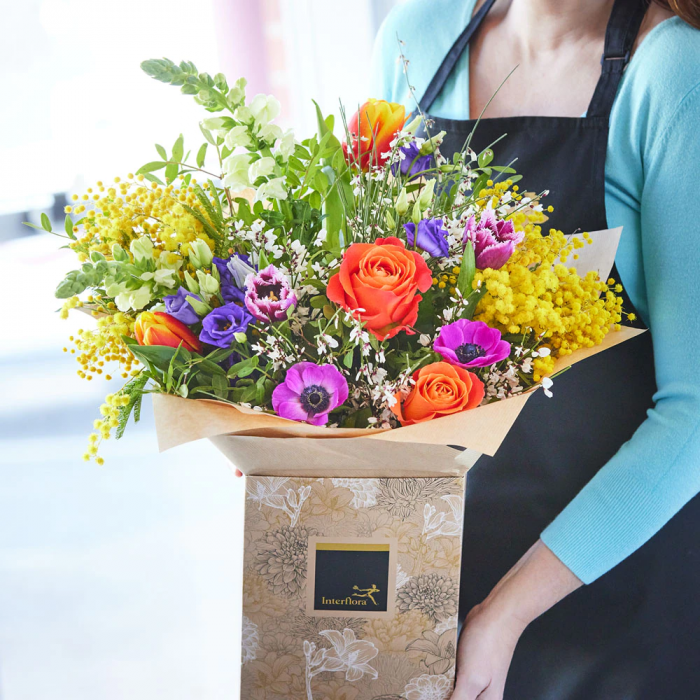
[366,593]
[352,575]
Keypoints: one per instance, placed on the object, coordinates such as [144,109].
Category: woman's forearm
[536,583]
[493,628]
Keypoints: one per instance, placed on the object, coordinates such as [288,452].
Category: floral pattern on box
[288,654]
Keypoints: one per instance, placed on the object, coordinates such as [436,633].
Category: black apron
[632,634]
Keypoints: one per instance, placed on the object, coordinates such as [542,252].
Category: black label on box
[352,576]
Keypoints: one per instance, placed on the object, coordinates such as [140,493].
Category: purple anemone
[309,392]
[494,240]
[432,237]
[268,295]
[471,344]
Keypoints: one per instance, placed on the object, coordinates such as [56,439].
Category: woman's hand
[492,629]
[486,648]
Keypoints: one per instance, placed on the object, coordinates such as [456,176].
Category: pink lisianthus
[470,344]
[268,295]
[310,392]
[494,240]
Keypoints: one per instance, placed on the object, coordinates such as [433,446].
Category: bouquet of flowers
[356,282]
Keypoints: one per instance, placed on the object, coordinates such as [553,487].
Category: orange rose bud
[372,128]
[440,390]
[383,280]
[159,328]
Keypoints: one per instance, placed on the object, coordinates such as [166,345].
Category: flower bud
[402,202]
[429,145]
[425,199]
[200,308]
[200,254]
[416,215]
[119,254]
[191,283]
[412,126]
[208,286]
[391,224]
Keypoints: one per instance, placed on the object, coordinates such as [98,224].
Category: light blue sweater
[652,188]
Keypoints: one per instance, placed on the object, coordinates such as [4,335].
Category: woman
[587,486]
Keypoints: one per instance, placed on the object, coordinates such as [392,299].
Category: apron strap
[453,55]
[620,35]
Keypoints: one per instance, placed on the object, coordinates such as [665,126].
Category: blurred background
[123,581]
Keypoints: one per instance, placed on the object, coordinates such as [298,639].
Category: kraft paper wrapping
[264,444]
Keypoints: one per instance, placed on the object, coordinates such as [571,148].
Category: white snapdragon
[262,167]
[236,171]
[272,189]
[270,133]
[286,145]
[238,136]
[264,108]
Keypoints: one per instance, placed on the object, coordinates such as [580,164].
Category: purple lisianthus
[412,162]
[432,237]
[181,309]
[268,295]
[309,392]
[494,240]
[220,325]
[471,344]
[227,286]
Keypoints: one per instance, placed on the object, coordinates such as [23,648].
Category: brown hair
[687,10]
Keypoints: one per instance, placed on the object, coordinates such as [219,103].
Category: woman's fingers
[469,686]
[493,692]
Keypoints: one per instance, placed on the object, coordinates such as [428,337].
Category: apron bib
[630,635]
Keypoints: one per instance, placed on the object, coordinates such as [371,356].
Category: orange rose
[159,328]
[382,279]
[372,128]
[440,389]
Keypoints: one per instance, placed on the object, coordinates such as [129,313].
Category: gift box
[352,555]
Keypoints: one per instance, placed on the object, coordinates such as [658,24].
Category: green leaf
[201,155]
[153,178]
[318,302]
[157,355]
[473,300]
[262,261]
[221,386]
[467,270]
[134,390]
[347,359]
[171,171]
[68,225]
[162,152]
[207,135]
[485,157]
[178,148]
[150,167]
[45,222]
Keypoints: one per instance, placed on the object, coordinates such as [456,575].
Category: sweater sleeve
[658,471]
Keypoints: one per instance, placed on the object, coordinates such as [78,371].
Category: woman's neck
[545,25]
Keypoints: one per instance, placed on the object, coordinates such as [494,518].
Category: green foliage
[134,389]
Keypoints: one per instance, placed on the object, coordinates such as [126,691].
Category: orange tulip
[158,328]
[372,128]
[440,390]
